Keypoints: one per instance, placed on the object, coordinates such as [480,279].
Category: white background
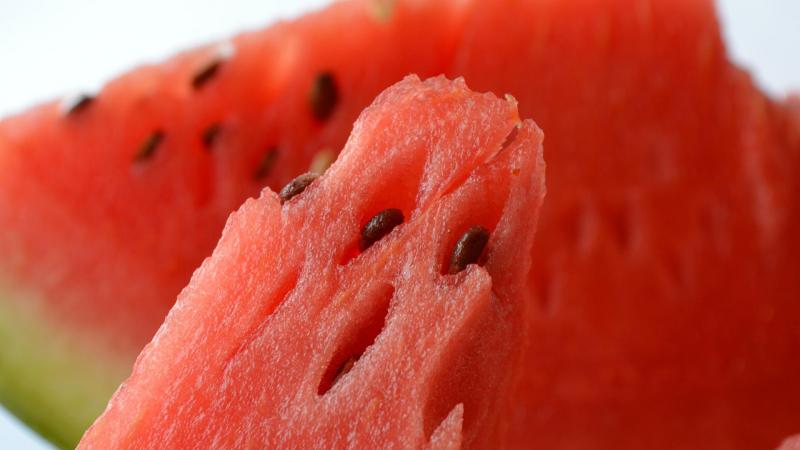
[52,47]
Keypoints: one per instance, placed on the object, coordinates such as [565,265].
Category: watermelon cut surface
[790,443]
[107,206]
[668,250]
[665,275]
[290,336]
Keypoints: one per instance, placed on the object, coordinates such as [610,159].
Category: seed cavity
[76,104]
[266,164]
[210,135]
[368,313]
[379,226]
[296,186]
[469,249]
[512,136]
[344,369]
[206,73]
[149,146]
[324,96]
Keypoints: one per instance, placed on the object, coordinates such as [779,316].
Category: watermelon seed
[206,73]
[379,226]
[210,135]
[266,164]
[468,249]
[149,146]
[296,186]
[324,96]
[77,104]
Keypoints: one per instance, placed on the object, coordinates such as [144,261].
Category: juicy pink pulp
[665,276]
[257,350]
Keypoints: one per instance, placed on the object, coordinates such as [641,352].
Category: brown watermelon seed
[379,226]
[210,135]
[148,148]
[267,163]
[468,249]
[75,105]
[297,186]
[324,96]
[346,366]
[206,73]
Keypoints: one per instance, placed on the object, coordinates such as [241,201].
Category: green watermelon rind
[33,349]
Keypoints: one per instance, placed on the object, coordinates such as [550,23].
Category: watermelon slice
[356,312]
[665,276]
[669,246]
[137,182]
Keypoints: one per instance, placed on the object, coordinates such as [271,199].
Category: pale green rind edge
[49,379]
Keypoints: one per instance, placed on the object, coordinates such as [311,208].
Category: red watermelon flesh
[289,336]
[137,185]
[668,258]
[666,275]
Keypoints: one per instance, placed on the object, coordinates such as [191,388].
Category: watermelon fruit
[139,178]
[320,318]
[669,245]
[791,443]
[665,275]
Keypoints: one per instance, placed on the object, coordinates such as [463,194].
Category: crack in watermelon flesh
[665,279]
[244,358]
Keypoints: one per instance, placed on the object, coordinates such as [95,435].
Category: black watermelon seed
[379,226]
[149,146]
[468,249]
[324,96]
[267,163]
[78,104]
[206,73]
[297,186]
[210,135]
[346,366]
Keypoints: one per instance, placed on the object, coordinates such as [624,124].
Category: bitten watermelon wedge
[110,202]
[382,306]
